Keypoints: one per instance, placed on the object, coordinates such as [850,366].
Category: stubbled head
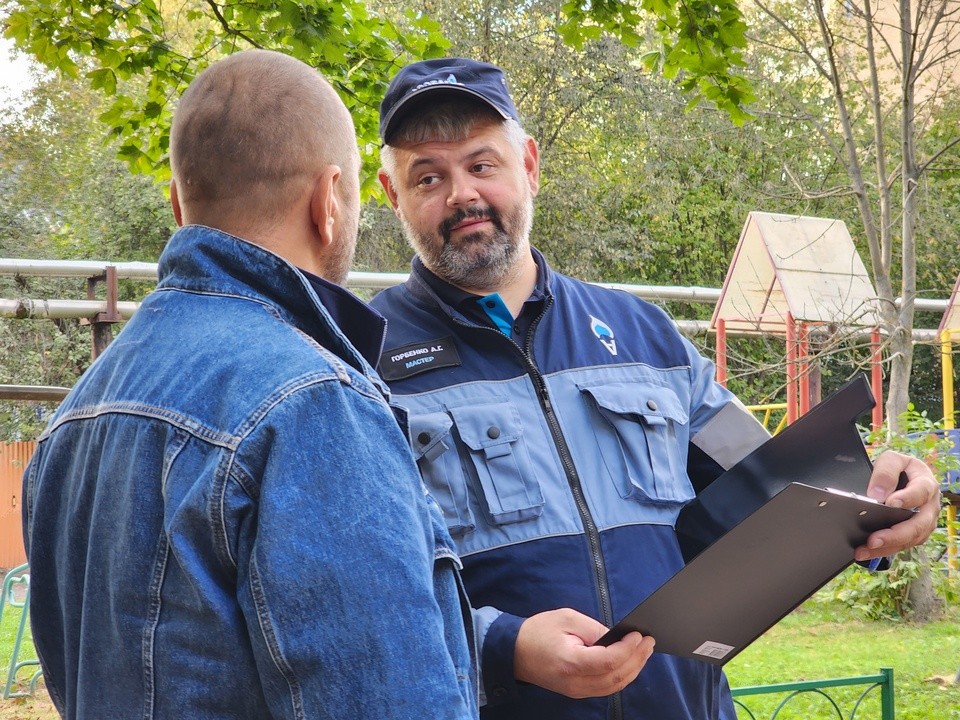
[249,138]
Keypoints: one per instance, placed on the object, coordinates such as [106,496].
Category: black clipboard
[822,449]
[766,535]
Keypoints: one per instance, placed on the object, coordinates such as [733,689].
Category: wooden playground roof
[804,266]
[951,316]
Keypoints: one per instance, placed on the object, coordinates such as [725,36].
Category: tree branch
[800,41]
[942,151]
[227,27]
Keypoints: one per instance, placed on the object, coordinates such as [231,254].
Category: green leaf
[104,79]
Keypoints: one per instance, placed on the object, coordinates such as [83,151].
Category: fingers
[599,671]
[554,650]
[886,474]
[901,536]
[921,487]
[616,665]
[921,492]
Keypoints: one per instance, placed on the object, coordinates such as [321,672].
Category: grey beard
[496,255]
[483,270]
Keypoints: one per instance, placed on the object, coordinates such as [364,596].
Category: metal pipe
[75,309]
[77,268]
[667,292]
[61,309]
[43,393]
[375,281]
[359,279]
[368,280]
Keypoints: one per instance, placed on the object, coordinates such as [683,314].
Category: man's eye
[428,180]
[481,167]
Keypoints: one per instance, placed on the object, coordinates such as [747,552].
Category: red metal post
[803,363]
[722,352]
[876,377]
[791,369]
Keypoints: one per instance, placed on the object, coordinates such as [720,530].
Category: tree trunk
[924,605]
[901,347]
[901,361]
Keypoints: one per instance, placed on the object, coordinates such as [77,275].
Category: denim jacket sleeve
[330,533]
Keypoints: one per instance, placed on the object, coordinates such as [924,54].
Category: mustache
[447,226]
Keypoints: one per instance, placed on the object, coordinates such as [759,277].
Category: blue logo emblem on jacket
[604,334]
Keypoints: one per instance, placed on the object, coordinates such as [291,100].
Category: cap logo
[450,80]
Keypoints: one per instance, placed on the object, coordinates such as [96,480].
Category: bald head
[250,135]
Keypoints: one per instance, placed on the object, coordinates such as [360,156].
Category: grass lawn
[38,706]
[815,642]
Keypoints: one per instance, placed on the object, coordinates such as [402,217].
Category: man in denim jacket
[561,426]
[223,519]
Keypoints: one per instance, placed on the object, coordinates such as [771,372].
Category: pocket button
[493,432]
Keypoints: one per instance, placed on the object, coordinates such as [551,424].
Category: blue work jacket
[224,520]
[561,458]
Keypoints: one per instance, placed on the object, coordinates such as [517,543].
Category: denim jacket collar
[196,256]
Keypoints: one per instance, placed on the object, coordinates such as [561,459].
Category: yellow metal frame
[946,366]
[767,411]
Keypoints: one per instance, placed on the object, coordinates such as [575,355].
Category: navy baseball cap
[483,81]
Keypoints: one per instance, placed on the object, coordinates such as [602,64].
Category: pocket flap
[484,426]
[427,433]
[655,404]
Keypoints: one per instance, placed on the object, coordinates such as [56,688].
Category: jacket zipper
[573,479]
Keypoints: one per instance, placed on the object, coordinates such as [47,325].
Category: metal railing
[795,690]
[99,270]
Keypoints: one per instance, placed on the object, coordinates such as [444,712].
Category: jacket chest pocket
[493,436]
[482,444]
[639,436]
[433,447]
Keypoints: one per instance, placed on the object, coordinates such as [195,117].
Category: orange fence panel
[14,457]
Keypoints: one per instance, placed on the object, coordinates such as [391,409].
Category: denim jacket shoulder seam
[201,431]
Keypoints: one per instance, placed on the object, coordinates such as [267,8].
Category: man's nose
[463,190]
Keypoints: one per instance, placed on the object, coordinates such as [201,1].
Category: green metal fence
[795,690]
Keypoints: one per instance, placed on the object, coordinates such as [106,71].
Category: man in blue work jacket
[561,426]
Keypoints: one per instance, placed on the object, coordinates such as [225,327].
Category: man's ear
[531,164]
[175,203]
[391,190]
[324,204]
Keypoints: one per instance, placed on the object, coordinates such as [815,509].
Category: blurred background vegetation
[645,179]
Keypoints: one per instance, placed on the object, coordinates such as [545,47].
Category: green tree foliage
[143,54]
[700,41]
[64,195]
[165,46]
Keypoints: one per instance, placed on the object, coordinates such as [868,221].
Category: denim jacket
[223,519]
